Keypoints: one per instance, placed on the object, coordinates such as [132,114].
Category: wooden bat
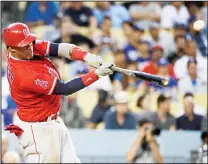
[143,76]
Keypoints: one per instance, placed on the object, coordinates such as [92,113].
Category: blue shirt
[194,83]
[33,13]
[80,17]
[111,121]
[131,53]
[117,13]
[201,41]
[183,123]
[98,113]
[8,112]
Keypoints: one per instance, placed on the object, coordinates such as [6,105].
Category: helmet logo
[25,32]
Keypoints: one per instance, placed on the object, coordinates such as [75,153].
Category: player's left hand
[93,60]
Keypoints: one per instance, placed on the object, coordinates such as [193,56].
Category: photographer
[145,149]
[202,151]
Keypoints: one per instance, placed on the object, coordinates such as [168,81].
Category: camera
[154,131]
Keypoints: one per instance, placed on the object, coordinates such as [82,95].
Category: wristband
[78,53]
[89,78]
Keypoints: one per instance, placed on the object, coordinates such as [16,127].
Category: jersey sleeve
[45,48]
[41,48]
[39,83]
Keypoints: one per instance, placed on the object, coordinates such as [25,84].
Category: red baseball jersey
[32,83]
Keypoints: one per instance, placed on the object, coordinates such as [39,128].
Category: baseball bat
[143,76]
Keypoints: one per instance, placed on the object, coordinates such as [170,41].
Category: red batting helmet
[18,35]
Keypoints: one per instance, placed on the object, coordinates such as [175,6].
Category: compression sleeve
[75,84]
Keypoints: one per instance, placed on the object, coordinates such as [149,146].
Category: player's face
[24,53]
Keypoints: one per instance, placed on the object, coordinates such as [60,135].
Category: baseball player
[36,87]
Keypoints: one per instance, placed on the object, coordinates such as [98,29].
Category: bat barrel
[152,78]
[144,76]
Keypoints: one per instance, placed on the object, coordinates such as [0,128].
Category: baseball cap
[157,46]
[121,97]
[162,62]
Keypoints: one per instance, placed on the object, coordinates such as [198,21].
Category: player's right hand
[105,69]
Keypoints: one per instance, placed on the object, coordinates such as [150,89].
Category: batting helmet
[18,35]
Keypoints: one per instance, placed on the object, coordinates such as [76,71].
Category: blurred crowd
[168,39]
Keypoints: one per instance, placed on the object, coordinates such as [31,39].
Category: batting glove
[14,129]
[93,60]
[105,69]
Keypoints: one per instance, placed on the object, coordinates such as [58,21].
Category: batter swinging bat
[143,76]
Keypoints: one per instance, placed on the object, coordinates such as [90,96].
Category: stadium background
[100,30]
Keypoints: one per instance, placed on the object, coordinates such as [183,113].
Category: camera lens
[156,131]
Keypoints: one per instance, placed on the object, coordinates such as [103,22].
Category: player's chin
[29,56]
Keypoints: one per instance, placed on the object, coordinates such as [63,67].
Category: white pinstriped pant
[47,142]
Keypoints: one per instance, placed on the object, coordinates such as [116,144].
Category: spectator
[171,88]
[117,77]
[144,149]
[197,108]
[189,120]
[82,16]
[41,13]
[11,157]
[100,110]
[64,5]
[116,12]
[132,49]
[193,8]
[145,13]
[105,39]
[202,152]
[129,82]
[121,118]
[180,51]
[72,113]
[172,13]
[8,105]
[161,37]
[162,119]
[145,54]
[193,82]
[53,31]
[179,29]
[151,66]
[145,107]
[68,35]
[197,35]
[180,67]
[127,28]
